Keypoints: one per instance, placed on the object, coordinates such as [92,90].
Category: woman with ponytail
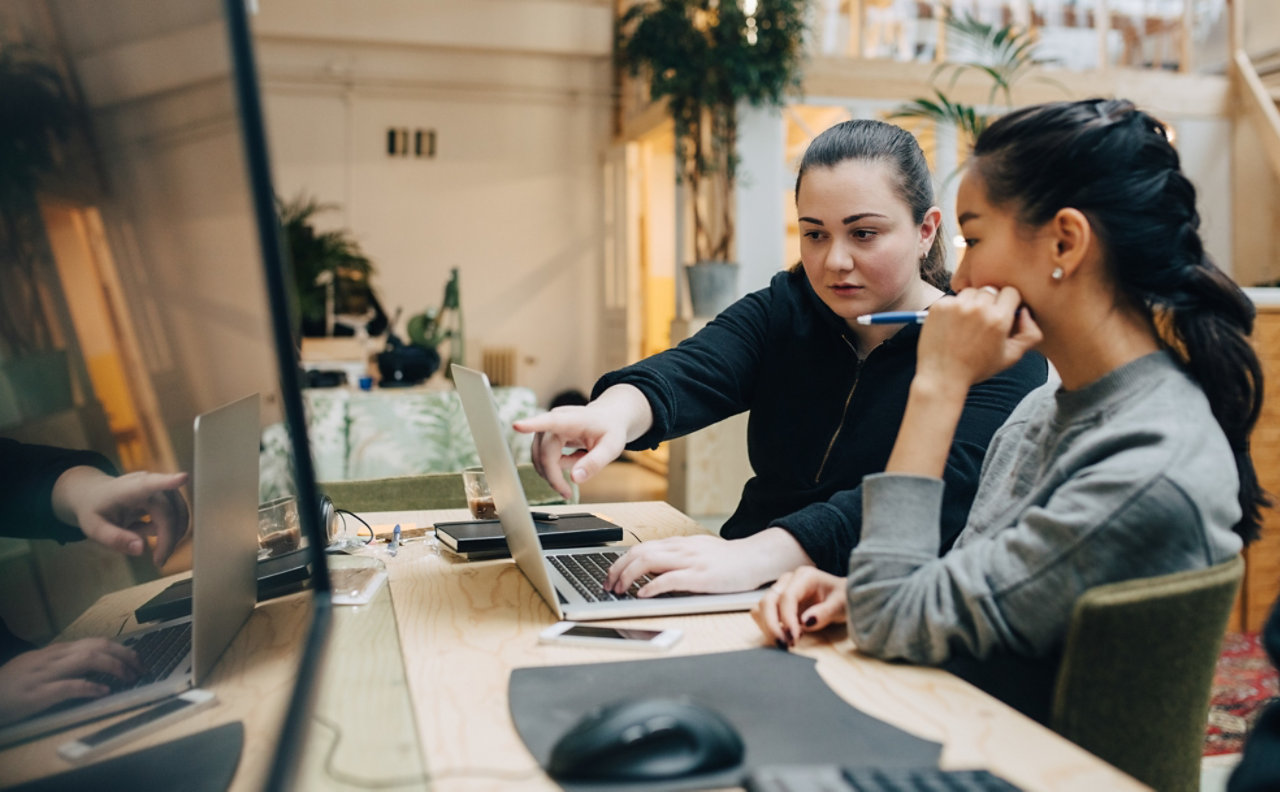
[1082,243]
[825,393]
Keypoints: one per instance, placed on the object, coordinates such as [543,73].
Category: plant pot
[713,286]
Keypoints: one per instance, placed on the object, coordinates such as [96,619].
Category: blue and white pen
[394,547]
[893,317]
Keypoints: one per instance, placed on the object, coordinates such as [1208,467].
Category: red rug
[1245,681]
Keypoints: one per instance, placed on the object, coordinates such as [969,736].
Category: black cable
[633,535]
[341,514]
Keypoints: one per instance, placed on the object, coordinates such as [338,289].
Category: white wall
[518,93]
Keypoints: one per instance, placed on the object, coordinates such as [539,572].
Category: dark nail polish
[809,622]
[781,644]
[786,633]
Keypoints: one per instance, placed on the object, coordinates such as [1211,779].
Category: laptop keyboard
[830,778]
[587,571]
[160,651]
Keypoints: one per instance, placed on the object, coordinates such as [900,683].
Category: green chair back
[1137,672]
[424,491]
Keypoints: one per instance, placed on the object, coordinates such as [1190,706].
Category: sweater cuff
[902,513]
[825,534]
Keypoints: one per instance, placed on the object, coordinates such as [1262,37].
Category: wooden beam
[1259,108]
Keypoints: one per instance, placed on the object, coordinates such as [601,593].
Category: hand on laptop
[596,433]
[119,511]
[804,600]
[707,564]
[36,680]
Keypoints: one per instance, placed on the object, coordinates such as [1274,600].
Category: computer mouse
[646,739]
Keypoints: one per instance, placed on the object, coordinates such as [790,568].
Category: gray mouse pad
[782,709]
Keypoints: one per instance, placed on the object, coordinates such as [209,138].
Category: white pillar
[761,195]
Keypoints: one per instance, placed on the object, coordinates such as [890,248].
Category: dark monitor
[142,281]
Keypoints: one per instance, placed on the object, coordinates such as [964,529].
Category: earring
[1057,273]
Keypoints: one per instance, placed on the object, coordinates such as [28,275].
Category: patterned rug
[1243,684]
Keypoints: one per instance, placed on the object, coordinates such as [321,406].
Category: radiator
[499,363]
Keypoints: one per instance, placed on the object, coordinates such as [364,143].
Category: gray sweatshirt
[1125,478]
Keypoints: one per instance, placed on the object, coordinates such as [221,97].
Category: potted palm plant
[1004,54]
[330,271]
[705,58]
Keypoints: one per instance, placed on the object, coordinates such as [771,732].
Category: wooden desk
[252,681]
[465,626]
[362,731]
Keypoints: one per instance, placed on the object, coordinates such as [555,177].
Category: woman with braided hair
[1082,243]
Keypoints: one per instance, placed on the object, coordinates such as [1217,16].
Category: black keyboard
[160,651]
[587,571]
[831,778]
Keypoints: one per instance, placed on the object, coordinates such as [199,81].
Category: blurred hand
[36,680]
[976,334]
[119,511]
[805,600]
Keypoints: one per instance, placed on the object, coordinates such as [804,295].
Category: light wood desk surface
[252,681]
[465,626]
[462,627]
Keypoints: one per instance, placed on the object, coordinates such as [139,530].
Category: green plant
[434,326]
[322,260]
[1005,54]
[704,57]
[36,116]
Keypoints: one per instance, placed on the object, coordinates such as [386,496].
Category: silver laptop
[224,590]
[568,580]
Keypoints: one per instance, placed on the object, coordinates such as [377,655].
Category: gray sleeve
[1014,588]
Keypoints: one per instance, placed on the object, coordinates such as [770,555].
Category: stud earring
[1057,273]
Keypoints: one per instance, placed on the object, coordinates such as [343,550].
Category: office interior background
[495,137]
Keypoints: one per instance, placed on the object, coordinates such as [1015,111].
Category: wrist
[630,406]
[934,389]
[69,492]
[774,551]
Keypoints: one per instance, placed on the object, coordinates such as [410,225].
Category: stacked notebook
[480,539]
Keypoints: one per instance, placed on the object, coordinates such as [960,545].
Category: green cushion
[424,491]
[1137,672]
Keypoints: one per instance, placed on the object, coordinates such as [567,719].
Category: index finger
[765,613]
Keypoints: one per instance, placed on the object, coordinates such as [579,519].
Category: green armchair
[1137,671]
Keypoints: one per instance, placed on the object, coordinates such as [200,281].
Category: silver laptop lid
[224,532]
[504,481]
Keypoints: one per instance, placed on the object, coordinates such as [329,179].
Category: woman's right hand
[595,434]
[975,335]
[803,600]
[36,680]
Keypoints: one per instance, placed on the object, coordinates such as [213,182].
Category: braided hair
[877,141]
[1114,163]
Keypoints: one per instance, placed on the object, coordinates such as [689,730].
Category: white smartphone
[620,637]
[136,726]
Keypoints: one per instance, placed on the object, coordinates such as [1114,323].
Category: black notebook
[277,576]
[477,539]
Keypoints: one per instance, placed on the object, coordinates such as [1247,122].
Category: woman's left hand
[804,600]
[976,334]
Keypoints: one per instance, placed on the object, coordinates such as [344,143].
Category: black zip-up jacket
[821,418]
[27,475]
